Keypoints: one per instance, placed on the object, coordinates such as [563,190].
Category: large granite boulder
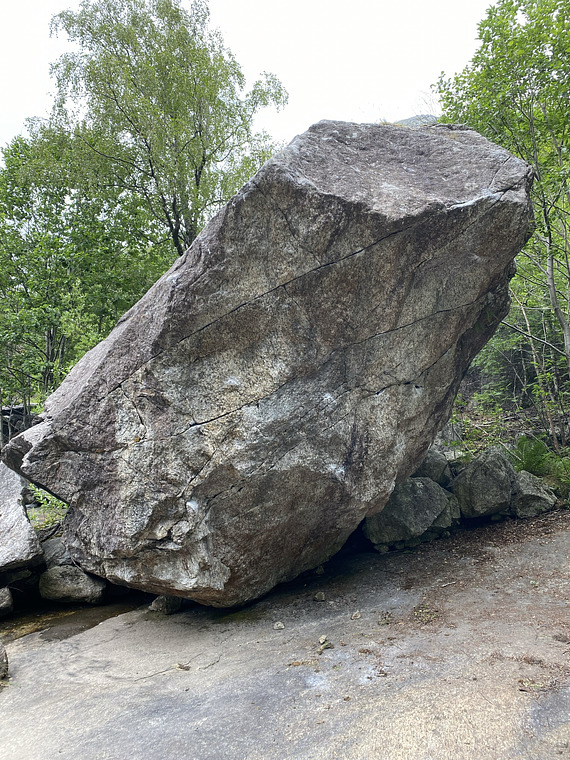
[294,365]
[19,545]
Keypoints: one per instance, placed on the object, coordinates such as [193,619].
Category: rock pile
[272,388]
[421,509]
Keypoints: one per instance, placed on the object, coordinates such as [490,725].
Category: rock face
[294,365]
[19,545]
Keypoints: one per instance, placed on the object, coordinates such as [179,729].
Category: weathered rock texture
[270,390]
[532,496]
[486,486]
[67,583]
[19,545]
[418,509]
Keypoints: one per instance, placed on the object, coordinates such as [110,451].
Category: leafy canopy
[71,262]
[516,91]
[158,100]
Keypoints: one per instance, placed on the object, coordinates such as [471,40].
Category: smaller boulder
[436,467]
[3,662]
[168,605]
[486,486]
[532,496]
[69,584]
[417,510]
[6,602]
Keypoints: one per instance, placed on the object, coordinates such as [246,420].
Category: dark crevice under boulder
[295,364]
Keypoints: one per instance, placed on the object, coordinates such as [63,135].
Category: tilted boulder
[274,385]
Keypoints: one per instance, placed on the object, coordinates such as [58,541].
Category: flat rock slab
[455,651]
[270,390]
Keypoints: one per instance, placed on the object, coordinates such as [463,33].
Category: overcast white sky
[357,60]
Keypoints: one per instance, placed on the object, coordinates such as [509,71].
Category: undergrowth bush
[51,510]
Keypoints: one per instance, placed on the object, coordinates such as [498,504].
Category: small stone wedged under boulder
[418,510]
[272,388]
[69,584]
[6,602]
[435,467]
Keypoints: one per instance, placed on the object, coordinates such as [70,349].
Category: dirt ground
[457,650]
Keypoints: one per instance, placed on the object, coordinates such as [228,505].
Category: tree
[71,262]
[157,101]
[516,91]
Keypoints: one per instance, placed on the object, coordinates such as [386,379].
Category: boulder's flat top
[470,662]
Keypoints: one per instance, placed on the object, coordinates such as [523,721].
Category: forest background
[151,133]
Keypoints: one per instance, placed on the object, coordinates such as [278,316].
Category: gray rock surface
[486,486]
[69,584]
[435,467]
[55,552]
[6,602]
[270,390]
[168,605]
[532,496]
[417,507]
[3,662]
[19,545]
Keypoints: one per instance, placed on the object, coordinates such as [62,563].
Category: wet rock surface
[271,389]
[459,651]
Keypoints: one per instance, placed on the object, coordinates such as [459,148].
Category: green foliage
[52,510]
[156,100]
[71,262]
[532,455]
[516,91]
